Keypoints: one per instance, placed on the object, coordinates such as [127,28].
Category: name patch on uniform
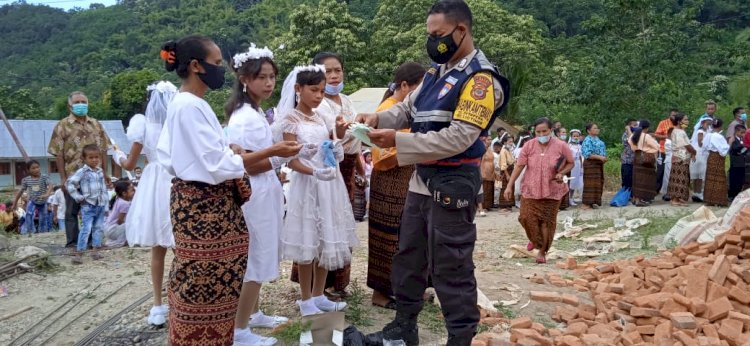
[451,80]
[474,107]
[445,90]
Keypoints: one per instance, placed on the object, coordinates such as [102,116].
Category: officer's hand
[508,194]
[369,119]
[383,138]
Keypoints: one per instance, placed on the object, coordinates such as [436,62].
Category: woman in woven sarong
[645,149]
[715,191]
[487,169]
[210,235]
[595,156]
[389,185]
[547,160]
[682,153]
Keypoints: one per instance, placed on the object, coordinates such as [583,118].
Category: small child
[667,165]
[114,228]
[58,208]
[38,187]
[88,187]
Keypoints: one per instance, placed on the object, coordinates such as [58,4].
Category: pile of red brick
[693,295]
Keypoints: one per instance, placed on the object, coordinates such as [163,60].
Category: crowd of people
[233,201]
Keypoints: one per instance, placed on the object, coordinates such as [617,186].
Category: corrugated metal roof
[35,135]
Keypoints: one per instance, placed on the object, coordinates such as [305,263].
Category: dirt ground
[68,303]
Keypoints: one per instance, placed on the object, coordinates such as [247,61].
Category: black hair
[137,167]
[589,126]
[523,141]
[178,55]
[739,127]
[737,110]
[121,187]
[642,125]
[678,119]
[31,163]
[717,123]
[556,131]
[505,139]
[543,120]
[674,110]
[91,148]
[409,72]
[321,57]
[630,120]
[249,69]
[669,132]
[501,128]
[456,10]
[309,78]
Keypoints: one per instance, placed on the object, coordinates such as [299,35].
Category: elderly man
[70,135]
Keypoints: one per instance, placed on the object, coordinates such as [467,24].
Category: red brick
[606,268]
[544,296]
[710,331]
[739,295]
[632,338]
[697,306]
[603,330]
[568,313]
[521,323]
[719,270]
[732,250]
[671,306]
[569,340]
[571,262]
[733,278]
[734,239]
[730,330]
[570,299]
[682,300]
[683,320]
[538,327]
[576,329]
[718,309]
[616,288]
[716,291]
[697,284]
[476,342]
[663,331]
[689,248]
[646,330]
[643,312]
[686,339]
[537,279]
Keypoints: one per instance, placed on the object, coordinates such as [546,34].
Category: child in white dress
[576,184]
[264,211]
[147,222]
[319,227]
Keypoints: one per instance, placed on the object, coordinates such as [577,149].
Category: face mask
[214,75]
[563,137]
[80,109]
[574,141]
[743,117]
[632,129]
[684,126]
[334,89]
[543,139]
[441,49]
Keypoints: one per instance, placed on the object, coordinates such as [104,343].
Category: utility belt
[452,187]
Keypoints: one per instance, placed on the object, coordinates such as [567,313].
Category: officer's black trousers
[437,242]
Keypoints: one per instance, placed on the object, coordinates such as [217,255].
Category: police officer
[449,114]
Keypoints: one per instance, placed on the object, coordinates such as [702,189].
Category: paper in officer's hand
[360,131]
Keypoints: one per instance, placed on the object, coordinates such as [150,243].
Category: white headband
[310,68]
[252,53]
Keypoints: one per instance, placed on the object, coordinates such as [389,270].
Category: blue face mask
[632,129]
[743,117]
[80,109]
[334,89]
[543,139]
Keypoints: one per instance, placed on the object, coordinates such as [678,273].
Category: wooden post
[13,135]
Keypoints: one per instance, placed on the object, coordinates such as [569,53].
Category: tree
[326,27]
[19,104]
[127,93]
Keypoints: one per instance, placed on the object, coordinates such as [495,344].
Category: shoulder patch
[432,70]
[474,105]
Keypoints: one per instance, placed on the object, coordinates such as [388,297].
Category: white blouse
[248,128]
[715,142]
[192,145]
[329,110]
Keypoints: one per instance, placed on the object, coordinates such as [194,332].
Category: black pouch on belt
[452,187]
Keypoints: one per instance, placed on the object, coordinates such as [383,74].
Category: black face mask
[442,49]
[214,75]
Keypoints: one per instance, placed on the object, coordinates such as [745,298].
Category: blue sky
[65,4]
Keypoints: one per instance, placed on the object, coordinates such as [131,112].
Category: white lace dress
[319,223]
[147,222]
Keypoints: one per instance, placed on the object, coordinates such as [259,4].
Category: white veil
[288,99]
[162,93]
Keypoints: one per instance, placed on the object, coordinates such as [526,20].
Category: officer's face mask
[442,49]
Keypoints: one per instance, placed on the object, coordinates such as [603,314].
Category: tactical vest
[437,100]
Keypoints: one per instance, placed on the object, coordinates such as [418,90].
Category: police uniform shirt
[473,112]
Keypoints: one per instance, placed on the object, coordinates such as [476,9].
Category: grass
[432,318]
[358,313]
[45,264]
[289,333]
[505,310]
[547,322]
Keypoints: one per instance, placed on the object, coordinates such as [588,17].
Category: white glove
[119,156]
[325,174]
[277,162]
[308,151]
[338,151]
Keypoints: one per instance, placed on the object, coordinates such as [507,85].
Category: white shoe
[158,315]
[326,305]
[308,307]
[261,320]
[245,337]
[482,213]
